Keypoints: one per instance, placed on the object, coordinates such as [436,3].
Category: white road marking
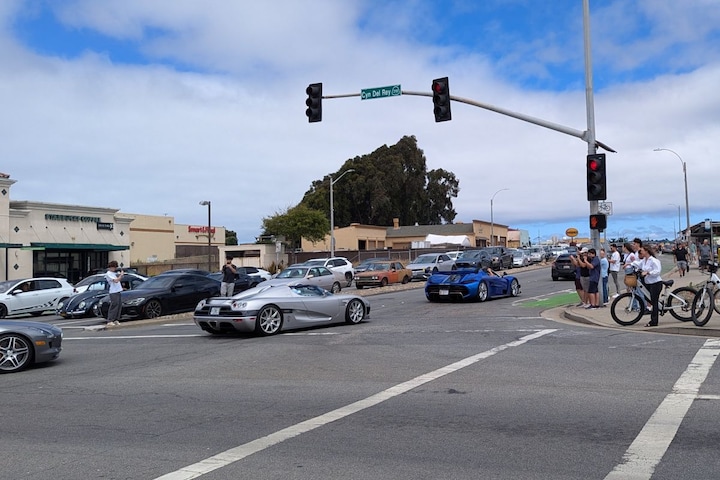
[648,448]
[238,453]
[125,337]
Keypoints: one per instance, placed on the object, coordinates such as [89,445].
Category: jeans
[227,289]
[605,298]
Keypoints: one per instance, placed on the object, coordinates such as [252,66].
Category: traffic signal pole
[590,111]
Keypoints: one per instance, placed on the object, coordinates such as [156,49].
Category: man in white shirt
[114,278]
[615,262]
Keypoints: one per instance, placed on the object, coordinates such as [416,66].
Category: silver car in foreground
[23,343]
[270,308]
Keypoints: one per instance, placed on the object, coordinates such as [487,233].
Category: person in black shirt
[681,256]
[227,286]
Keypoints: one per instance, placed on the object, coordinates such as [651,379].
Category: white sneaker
[616,295]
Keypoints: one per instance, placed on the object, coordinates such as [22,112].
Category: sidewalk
[666,324]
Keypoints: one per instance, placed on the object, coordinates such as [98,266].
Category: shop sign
[105,226]
[192,229]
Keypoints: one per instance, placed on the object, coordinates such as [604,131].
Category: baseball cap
[584,250]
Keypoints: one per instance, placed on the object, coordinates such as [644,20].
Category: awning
[94,247]
[10,245]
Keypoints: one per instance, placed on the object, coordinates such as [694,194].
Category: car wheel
[482,292]
[336,287]
[355,311]
[555,278]
[405,279]
[514,288]
[153,309]
[383,282]
[348,278]
[359,287]
[269,320]
[3,311]
[16,353]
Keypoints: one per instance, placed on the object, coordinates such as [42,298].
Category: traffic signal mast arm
[583,135]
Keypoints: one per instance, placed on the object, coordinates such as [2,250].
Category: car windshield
[161,281]
[89,280]
[518,254]
[293,272]
[4,286]
[315,263]
[425,259]
[380,267]
[473,254]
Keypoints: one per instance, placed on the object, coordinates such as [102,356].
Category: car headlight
[375,277]
[238,305]
[201,304]
[81,305]
[135,301]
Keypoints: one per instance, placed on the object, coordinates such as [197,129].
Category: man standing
[614,267]
[592,263]
[681,255]
[704,252]
[227,286]
[113,278]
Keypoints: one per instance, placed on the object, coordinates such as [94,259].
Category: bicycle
[629,307]
[707,298]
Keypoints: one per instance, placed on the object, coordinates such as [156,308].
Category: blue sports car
[470,283]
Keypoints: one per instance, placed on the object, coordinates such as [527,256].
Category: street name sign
[380,92]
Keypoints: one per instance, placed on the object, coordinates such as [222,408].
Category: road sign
[380,92]
[571,232]
[605,208]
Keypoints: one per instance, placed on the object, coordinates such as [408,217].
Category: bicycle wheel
[627,309]
[716,295]
[702,307]
[679,302]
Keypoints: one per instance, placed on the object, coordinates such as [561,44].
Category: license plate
[444,291]
[215,311]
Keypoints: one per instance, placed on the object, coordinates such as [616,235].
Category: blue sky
[151,106]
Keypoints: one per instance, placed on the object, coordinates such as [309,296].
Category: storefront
[45,239]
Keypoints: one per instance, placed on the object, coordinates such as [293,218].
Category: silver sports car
[269,308]
[23,343]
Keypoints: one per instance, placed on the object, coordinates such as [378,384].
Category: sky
[151,106]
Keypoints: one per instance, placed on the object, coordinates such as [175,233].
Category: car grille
[454,291]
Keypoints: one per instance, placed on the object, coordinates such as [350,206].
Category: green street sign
[380,92]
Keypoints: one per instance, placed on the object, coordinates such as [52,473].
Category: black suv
[473,259]
[500,257]
[562,267]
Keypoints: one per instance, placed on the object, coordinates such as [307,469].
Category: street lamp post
[687,205]
[332,211]
[209,230]
[492,220]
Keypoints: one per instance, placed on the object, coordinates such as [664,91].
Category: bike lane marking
[235,454]
[648,448]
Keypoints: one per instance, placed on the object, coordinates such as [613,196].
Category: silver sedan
[23,343]
[270,308]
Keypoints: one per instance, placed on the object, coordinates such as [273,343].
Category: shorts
[585,281]
[682,265]
[593,287]
[578,284]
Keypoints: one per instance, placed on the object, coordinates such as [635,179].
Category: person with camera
[113,278]
[227,285]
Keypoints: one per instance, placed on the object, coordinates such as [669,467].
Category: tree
[391,182]
[230,237]
[297,223]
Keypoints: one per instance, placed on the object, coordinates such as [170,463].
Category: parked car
[428,263]
[254,272]
[454,254]
[242,281]
[367,263]
[562,267]
[336,264]
[23,343]
[302,274]
[381,274]
[537,254]
[162,295]
[83,304]
[194,271]
[271,308]
[520,258]
[474,259]
[500,257]
[32,295]
[470,284]
[97,282]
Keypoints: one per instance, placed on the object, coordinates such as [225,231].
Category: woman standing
[651,267]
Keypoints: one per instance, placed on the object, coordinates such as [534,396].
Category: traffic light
[314,102]
[598,222]
[441,99]
[596,177]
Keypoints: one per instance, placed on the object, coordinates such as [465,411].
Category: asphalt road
[420,391]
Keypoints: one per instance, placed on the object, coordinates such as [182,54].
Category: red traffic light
[598,222]
[594,165]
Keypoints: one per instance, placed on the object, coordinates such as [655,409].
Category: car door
[394,272]
[49,292]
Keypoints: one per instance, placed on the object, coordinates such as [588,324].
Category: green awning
[10,245]
[95,247]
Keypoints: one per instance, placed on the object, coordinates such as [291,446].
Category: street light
[678,207]
[687,205]
[492,221]
[332,211]
[207,202]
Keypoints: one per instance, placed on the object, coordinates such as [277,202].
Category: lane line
[125,337]
[648,448]
[238,453]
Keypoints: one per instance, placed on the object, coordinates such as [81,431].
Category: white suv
[336,264]
[33,295]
